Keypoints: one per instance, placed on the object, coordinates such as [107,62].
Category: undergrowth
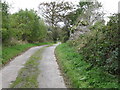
[80,73]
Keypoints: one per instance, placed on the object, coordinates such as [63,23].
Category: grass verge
[79,73]
[27,77]
[12,51]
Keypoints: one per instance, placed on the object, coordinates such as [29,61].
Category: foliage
[85,12]
[78,71]
[24,25]
[27,25]
[55,12]
[5,22]
[65,34]
[100,46]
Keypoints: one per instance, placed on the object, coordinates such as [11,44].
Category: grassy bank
[79,73]
[27,77]
[12,51]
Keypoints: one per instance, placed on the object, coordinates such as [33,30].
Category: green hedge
[80,73]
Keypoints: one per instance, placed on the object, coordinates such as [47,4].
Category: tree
[54,12]
[88,12]
[86,15]
[5,22]
[28,26]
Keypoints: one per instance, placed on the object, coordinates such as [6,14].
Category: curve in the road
[49,77]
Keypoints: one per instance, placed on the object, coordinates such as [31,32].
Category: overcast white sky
[110,6]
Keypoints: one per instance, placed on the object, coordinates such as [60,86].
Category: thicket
[99,46]
[77,71]
[23,26]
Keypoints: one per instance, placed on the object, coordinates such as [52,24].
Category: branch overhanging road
[49,77]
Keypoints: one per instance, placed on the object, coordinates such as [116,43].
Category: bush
[100,46]
[79,72]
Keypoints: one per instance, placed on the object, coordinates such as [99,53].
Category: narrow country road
[50,76]
[10,72]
